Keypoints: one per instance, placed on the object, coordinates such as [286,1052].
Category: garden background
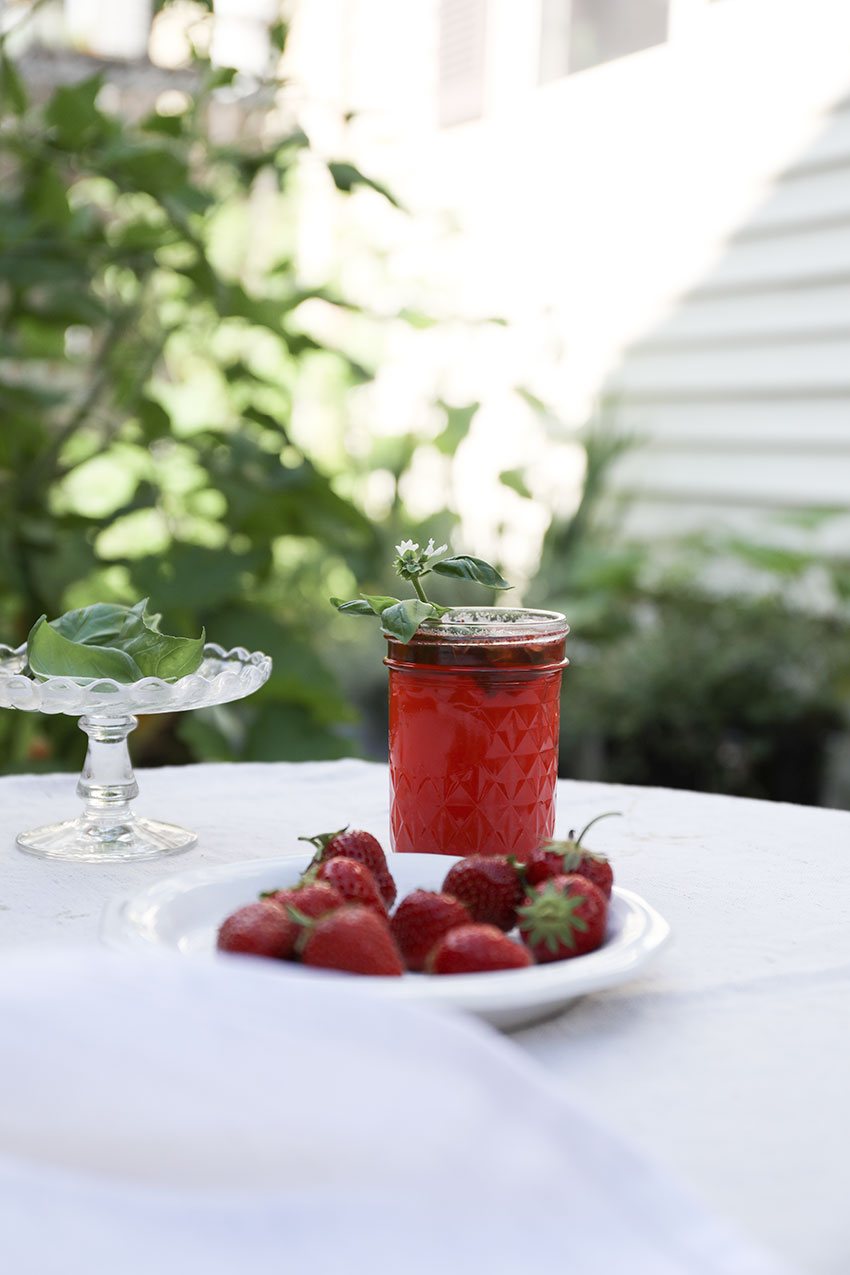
[186,414]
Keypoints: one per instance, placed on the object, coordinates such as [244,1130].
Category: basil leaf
[157,654]
[379,603]
[356,607]
[107,640]
[97,625]
[402,620]
[464,567]
[52,655]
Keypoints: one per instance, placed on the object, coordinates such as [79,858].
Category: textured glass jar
[474,704]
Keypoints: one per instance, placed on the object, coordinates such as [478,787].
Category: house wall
[673,226]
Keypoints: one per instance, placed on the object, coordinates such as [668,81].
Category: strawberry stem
[306,926]
[609,814]
[322,839]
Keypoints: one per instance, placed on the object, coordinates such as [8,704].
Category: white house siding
[743,392]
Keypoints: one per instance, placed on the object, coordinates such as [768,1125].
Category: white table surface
[726,1061]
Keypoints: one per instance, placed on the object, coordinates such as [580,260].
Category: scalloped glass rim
[222,676]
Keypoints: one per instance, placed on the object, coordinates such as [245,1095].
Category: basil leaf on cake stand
[104,664]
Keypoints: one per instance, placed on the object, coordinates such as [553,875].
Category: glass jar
[474,702]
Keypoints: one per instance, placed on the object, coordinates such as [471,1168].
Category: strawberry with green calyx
[313,898]
[421,920]
[354,881]
[566,917]
[558,857]
[401,617]
[258,929]
[354,939]
[354,843]
[490,886]
[476,949]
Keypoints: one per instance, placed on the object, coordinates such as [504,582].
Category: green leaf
[109,640]
[296,140]
[153,168]
[97,625]
[402,620]
[221,76]
[378,602]
[355,607]
[48,197]
[515,479]
[416,319]
[464,567]
[278,33]
[458,421]
[12,92]
[165,125]
[72,111]
[38,340]
[52,655]
[346,176]
[159,655]
[154,419]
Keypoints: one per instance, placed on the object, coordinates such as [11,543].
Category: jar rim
[482,623]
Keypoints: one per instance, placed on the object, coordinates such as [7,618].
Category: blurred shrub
[680,683]
[149,354]
[737,696]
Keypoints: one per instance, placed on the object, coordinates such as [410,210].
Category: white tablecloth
[726,1062]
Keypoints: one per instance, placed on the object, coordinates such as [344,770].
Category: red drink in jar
[474,717]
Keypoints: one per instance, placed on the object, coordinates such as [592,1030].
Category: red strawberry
[490,886]
[565,917]
[421,920]
[354,938]
[259,929]
[313,899]
[559,857]
[354,881]
[474,949]
[359,845]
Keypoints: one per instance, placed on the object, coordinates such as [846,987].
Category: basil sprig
[401,617]
[108,640]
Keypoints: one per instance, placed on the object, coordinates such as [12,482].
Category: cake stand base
[92,840]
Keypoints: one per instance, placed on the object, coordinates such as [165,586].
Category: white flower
[404,546]
[431,552]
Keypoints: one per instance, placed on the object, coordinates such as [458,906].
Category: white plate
[184,912]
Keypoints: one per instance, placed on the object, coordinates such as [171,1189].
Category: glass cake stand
[108,830]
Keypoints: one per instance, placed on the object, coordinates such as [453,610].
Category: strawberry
[558,857]
[258,929]
[490,886]
[354,938]
[565,917]
[356,844]
[422,919]
[354,881]
[475,949]
[313,899]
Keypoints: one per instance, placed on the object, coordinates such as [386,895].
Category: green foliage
[109,640]
[401,618]
[464,567]
[721,696]
[675,683]
[149,354]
